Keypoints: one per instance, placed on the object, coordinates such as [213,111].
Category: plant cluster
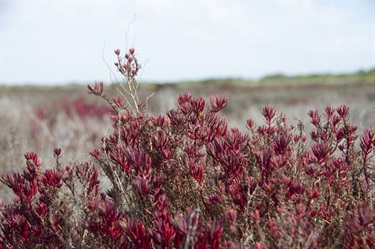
[186,180]
[71,108]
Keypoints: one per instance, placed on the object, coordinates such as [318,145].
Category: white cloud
[63,41]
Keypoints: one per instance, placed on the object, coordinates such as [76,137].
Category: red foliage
[186,180]
[49,119]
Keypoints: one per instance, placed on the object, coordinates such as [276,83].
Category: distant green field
[367,77]
[360,77]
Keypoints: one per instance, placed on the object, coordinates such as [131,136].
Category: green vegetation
[360,77]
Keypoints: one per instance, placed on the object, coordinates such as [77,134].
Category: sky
[62,42]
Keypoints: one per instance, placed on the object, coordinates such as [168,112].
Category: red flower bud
[321,151]
[69,169]
[97,89]
[95,153]
[57,151]
[314,193]
[342,111]
[269,113]
[250,123]
[118,101]
[329,111]
[232,215]
[313,213]
[218,103]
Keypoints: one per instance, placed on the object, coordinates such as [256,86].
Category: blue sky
[57,42]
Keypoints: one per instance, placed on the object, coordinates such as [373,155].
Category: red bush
[71,108]
[186,180]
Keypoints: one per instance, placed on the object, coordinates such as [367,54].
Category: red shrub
[70,108]
[187,180]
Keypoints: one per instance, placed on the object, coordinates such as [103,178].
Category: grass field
[21,130]
[284,177]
